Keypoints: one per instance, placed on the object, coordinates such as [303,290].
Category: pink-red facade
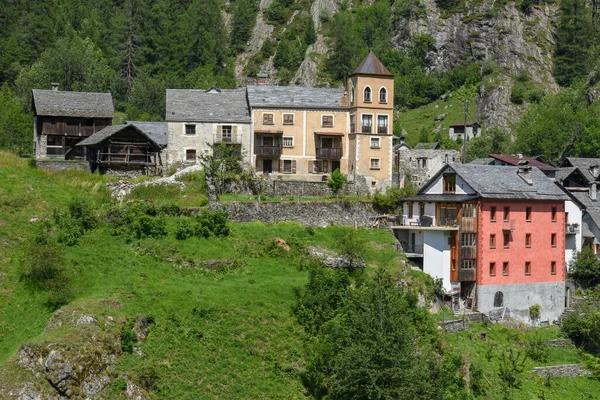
[538,240]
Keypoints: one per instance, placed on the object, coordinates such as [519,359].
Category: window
[553,240]
[190,129]
[553,214]
[190,154]
[527,268]
[352,95]
[353,124]
[320,166]
[421,209]
[493,214]
[367,123]
[469,210]
[367,95]
[469,239]
[453,265]
[382,124]
[506,239]
[504,268]
[528,240]
[374,142]
[506,213]
[410,210]
[268,119]
[327,120]
[288,141]
[553,267]
[382,95]
[467,264]
[288,166]
[449,183]
[226,133]
[492,269]
[374,163]
[528,214]
[288,119]
[422,162]
[492,241]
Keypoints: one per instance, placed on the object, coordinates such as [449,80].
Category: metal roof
[54,103]
[195,105]
[371,66]
[295,97]
[156,132]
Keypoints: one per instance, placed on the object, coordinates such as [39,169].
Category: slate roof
[295,97]
[514,160]
[54,103]
[503,182]
[427,146]
[371,66]
[483,161]
[563,173]
[463,124]
[156,132]
[584,164]
[441,198]
[591,207]
[196,105]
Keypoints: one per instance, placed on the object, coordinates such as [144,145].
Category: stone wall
[279,187]
[456,325]
[308,214]
[419,165]
[566,370]
[61,165]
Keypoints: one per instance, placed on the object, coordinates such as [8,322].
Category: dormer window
[449,183]
[383,95]
[367,95]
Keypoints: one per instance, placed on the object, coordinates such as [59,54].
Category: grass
[223,335]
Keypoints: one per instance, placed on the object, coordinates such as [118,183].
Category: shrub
[390,200]
[213,223]
[128,338]
[536,348]
[585,268]
[72,223]
[184,229]
[148,226]
[336,181]
[32,163]
[583,325]
[535,311]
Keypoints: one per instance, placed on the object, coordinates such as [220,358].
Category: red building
[494,234]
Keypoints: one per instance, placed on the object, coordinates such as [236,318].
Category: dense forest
[138,48]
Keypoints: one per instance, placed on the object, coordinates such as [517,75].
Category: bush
[184,229]
[32,163]
[536,348]
[390,200]
[585,267]
[336,181]
[73,222]
[147,226]
[535,311]
[583,325]
[213,223]
[128,338]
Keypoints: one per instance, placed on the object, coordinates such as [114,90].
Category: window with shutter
[293,166]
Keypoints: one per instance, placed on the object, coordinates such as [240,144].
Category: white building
[470,130]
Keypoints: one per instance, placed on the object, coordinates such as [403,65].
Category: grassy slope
[216,335]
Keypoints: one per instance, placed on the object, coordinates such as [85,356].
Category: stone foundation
[61,165]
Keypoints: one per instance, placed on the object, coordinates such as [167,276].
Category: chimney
[525,172]
[261,79]
[54,86]
[593,191]
[595,171]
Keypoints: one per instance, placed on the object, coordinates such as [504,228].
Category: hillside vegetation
[138,300]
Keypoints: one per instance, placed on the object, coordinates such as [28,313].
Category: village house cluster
[285,132]
[499,232]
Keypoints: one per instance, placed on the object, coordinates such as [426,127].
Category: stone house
[200,118]
[63,119]
[416,166]
[462,130]
[495,235]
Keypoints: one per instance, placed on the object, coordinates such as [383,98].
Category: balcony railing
[508,225]
[70,130]
[430,222]
[416,249]
[367,129]
[382,129]
[233,138]
[572,229]
[329,153]
[267,151]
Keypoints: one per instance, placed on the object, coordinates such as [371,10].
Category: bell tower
[370,91]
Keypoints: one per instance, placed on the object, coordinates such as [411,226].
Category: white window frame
[376,123]
[386,95]
[371,94]
[283,141]
[185,130]
[185,154]
[272,118]
[372,122]
[332,120]
[375,143]
[378,163]
[287,123]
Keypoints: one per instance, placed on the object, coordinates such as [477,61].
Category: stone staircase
[564,315]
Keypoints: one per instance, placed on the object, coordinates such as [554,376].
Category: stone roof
[463,124]
[195,105]
[483,161]
[54,103]
[503,182]
[564,173]
[514,160]
[427,146]
[156,132]
[583,164]
[371,66]
[295,97]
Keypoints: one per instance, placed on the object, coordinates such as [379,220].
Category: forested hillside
[506,55]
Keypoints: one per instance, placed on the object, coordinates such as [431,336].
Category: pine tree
[244,18]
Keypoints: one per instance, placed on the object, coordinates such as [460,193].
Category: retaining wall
[61,165]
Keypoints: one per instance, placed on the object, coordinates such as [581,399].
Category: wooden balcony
[267,151]
[329,153]
[233,138]
[70,130]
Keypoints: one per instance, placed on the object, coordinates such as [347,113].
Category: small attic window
[367,95]
[449,183]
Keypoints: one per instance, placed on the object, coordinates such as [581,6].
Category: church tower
[370,91]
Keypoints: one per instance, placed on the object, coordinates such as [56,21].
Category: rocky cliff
[505,40]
